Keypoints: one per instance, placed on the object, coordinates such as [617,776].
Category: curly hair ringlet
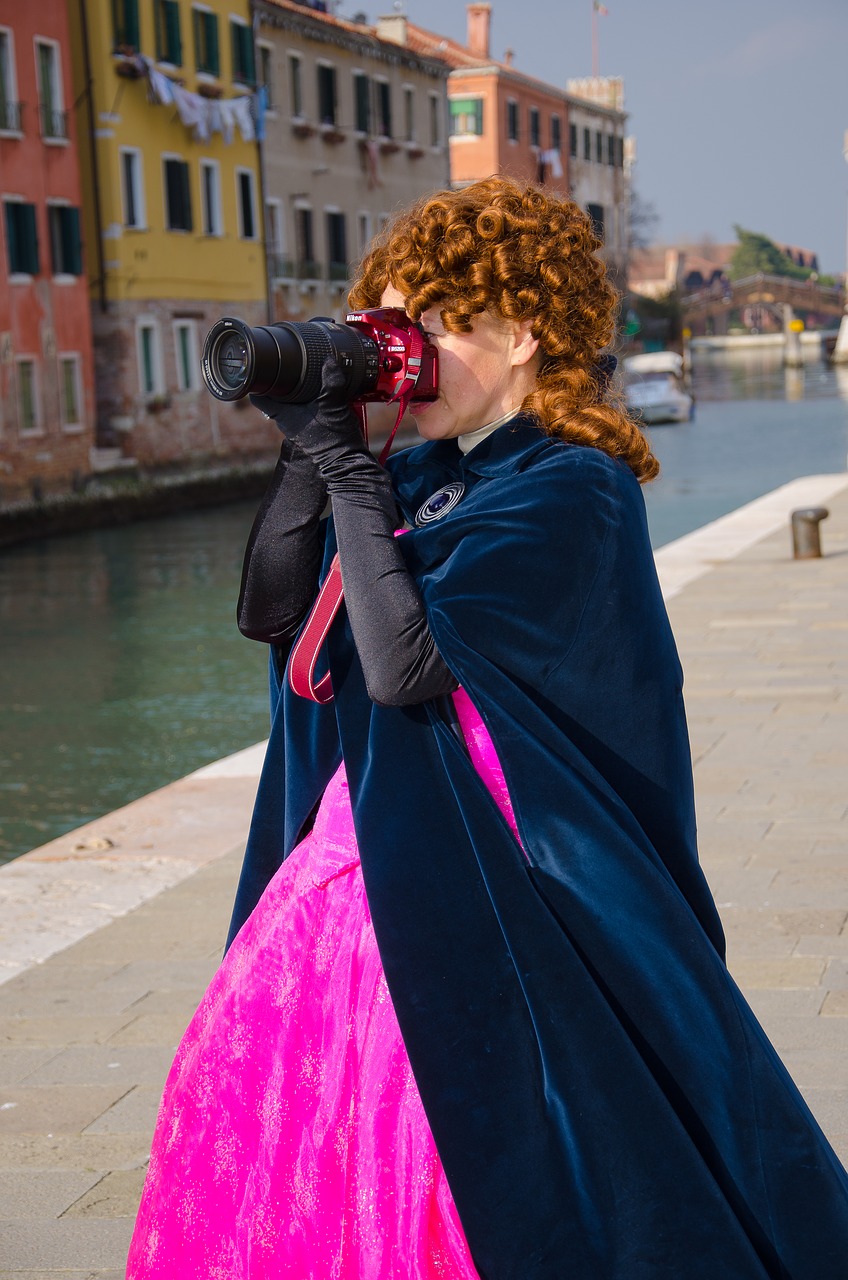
[518,253]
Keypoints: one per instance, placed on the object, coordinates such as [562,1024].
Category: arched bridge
[717,302]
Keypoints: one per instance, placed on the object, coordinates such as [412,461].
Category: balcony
[54,124]
[306,269]
[337,272]
[10,116]
[280,267]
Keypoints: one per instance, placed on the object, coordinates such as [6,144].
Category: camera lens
[231,358]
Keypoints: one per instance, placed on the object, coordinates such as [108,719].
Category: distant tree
[643,221]
[756,255]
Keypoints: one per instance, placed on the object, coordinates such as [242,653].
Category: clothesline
[205,116]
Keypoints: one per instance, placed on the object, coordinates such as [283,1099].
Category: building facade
[356,128]
[46,380]
[173,217]
[503,121]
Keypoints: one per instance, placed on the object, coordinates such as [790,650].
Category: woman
[507,755]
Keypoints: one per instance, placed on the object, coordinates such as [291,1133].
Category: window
[363,228]
[279,266]
[620,152]
[54,120]
[535,127]
[150,379]
[435,121]
[132,188]
[166,20]
[295,86]
[384,109]
[572,139]
[177,195]
[587,144]
[70,392]
[326,93]
[596,213]
[210,198]
[556,133]
[599,147]
[21,238]
[207,57]
[611,148]
[185,343]
[512,120]
[307,267]
[63,221]
[361,102]
[244,67]
[10,108]
[266,74]
[125,24]
[337,244]
[246,203]
[409,113]
[466,116]
[28,415]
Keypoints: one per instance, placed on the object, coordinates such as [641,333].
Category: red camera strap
[304,655]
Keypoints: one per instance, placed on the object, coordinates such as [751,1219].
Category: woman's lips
[417,407]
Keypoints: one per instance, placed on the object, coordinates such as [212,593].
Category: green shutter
[212,54]
[363,104]
[22,238]
[244,68]
[173,39]
[185,193]
[71,244]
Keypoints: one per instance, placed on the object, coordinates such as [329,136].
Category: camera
[383,353]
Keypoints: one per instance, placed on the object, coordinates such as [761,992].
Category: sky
[739,107]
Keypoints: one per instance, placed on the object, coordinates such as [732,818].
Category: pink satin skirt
[291,1139]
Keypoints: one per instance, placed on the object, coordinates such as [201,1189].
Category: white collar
[471,439]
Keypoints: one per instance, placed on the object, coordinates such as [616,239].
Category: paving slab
[116,944]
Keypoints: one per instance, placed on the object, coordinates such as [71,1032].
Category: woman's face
[482,375]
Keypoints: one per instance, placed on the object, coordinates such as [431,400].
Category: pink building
[46,379]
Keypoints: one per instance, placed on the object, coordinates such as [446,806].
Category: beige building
[355,128]
[597,162]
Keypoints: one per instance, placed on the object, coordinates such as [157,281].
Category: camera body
[383,353]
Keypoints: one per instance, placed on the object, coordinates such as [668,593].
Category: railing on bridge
[806,294]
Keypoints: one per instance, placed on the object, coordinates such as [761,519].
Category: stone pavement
[88,1032]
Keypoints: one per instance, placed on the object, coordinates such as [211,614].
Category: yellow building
[172,216]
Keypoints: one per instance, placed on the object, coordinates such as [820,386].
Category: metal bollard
[806,538]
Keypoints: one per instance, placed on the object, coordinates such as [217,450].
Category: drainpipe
[95,171]
[260,151]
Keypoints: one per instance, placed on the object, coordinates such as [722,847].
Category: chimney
[509,54]
[393,27]
[479,20]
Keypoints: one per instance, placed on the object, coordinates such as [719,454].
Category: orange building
[501,120]
[46,367]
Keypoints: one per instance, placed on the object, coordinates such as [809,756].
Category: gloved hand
[328,432]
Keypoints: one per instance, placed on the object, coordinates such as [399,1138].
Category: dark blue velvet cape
[605,1105]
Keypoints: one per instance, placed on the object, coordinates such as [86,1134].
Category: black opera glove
[327,430]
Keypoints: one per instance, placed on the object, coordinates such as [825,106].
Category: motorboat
[653,387]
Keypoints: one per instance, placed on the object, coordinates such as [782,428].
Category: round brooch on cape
[440,503]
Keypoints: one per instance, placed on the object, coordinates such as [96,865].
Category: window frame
[479,115]
[435,120]
[204,17]
[17,276]
[122,39]
[37,428]
[323,66]
[295,75]
[383,104]
[265,50]
[556,132]
[241,171]
[52,116]
[361,123]
[513,124]
[303,263]
[163,30]
[74,357]
[409,113]
[149,322]
[173,157]
[214,226]
[331,213]
[534,126]
[237,47]
[192,367]
[57,237]
[136,156]
[587,143]
[364,232]
[7,128]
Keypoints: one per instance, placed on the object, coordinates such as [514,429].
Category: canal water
[121,668]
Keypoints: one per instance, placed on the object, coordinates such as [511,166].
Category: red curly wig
[519,253]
